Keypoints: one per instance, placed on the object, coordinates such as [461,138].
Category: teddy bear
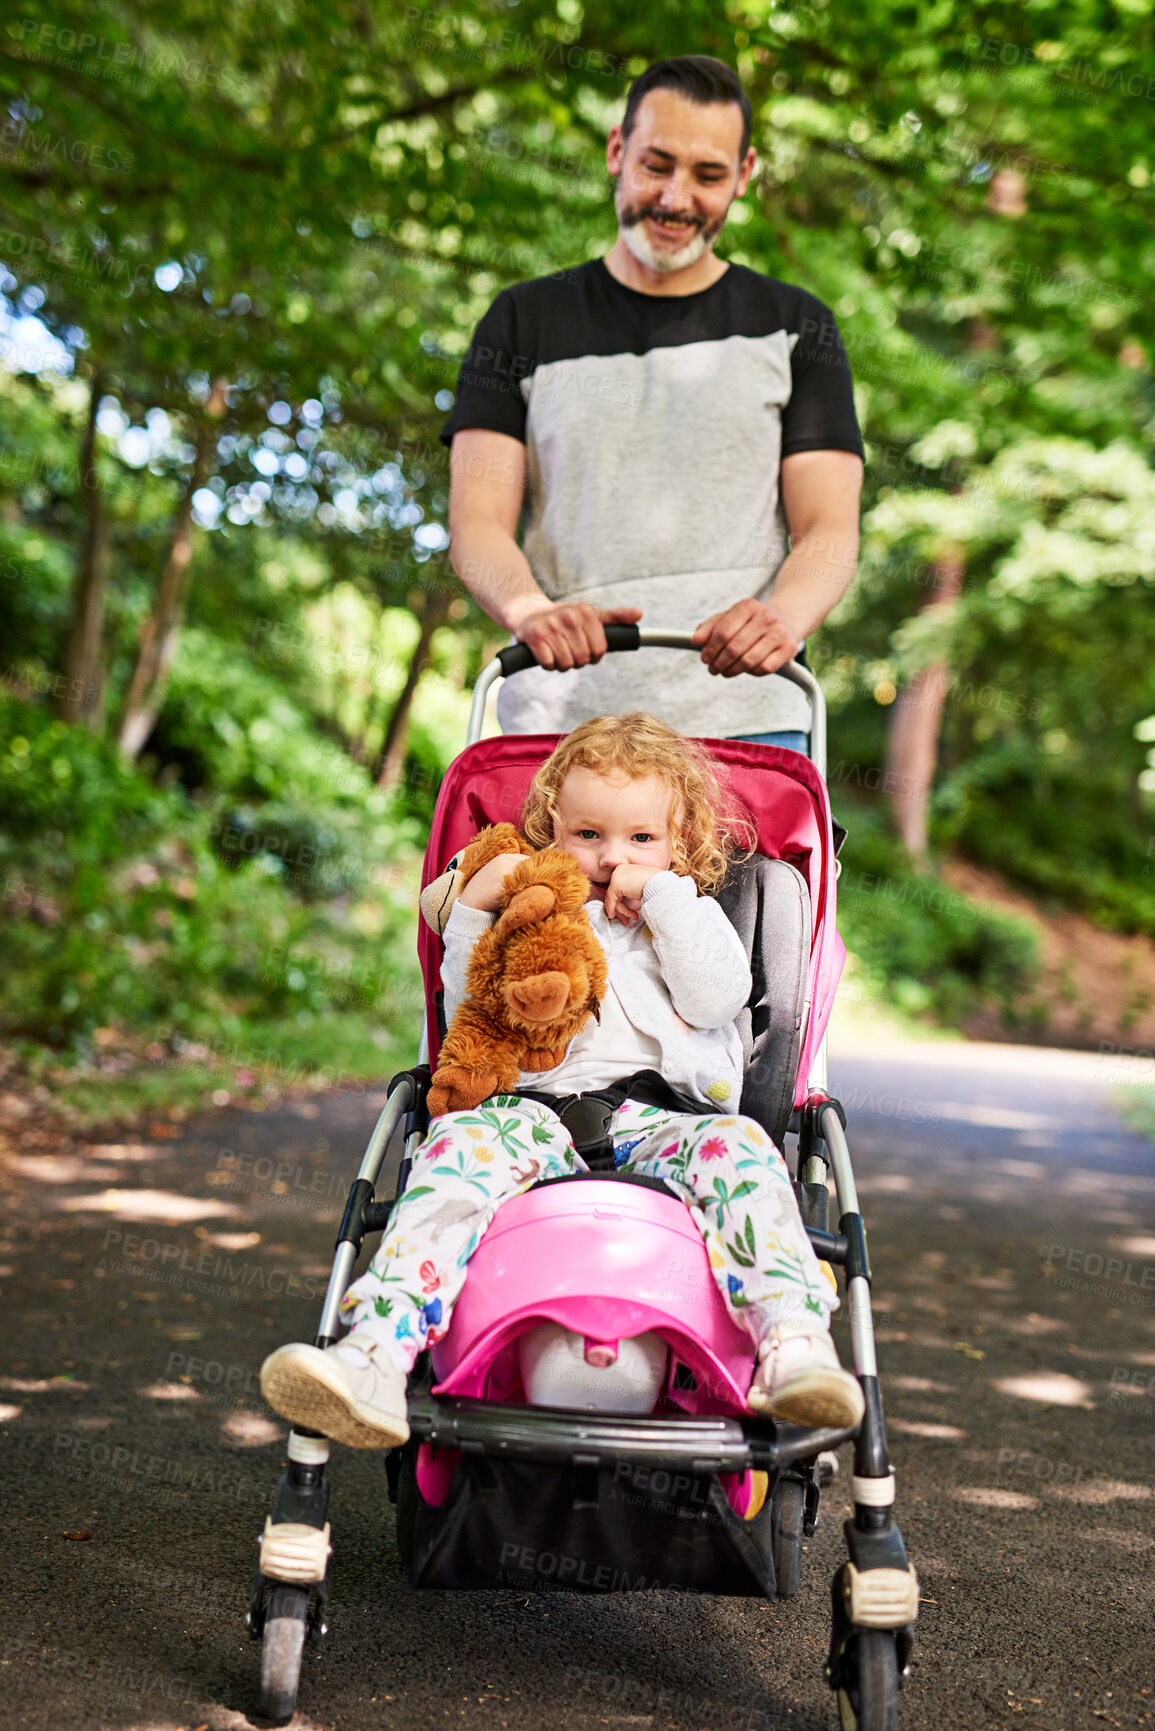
[534,978]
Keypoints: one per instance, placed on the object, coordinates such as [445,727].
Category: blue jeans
[788,738]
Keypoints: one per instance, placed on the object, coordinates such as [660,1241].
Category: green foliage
[1136,1107]
[920,946]
[1050,671]
[123,914]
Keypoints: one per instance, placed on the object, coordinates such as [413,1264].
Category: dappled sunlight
[984,1497]
[886,1181]
[58,1169]
[1140,1244]
[1095,1492]
[1035,1324]
[43,1385]
[936,1432]
[248,1430]
[998,1117]
[1020,1168]
[157,1207]
[169,1391]
[1054,1387]
[9,1412]
[918,1385]
[903,1337]
[126,1152]
[229,1240]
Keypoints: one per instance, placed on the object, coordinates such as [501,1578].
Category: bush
[122,912]
[920,945]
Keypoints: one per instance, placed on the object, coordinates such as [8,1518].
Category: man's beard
[631,220]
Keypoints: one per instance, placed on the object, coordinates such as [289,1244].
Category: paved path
[1012,1223]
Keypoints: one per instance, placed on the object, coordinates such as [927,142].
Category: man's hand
[570,634]
[484,887]
[750,637]
[624,892]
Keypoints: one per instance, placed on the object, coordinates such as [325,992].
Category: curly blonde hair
[709,827]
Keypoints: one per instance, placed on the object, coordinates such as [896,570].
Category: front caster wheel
[869,1699]
[787,1511]
[282,1645]
[408,1499]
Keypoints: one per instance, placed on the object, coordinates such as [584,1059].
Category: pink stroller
[583,1423]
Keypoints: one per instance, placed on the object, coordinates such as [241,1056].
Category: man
[667,419]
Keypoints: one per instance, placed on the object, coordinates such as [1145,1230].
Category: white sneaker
[360,1405]
[799,1379]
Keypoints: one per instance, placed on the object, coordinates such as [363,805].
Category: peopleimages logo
[198,1270]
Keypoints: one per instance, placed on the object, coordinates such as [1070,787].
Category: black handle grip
[517,657]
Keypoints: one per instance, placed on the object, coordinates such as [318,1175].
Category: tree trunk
[161,632]
[912,751]
[391,758]
[80,699]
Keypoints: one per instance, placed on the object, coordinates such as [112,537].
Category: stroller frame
[874,1592]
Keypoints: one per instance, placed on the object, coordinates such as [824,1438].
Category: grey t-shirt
[654,428]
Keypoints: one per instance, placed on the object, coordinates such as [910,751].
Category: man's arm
[486,489]
[820,494]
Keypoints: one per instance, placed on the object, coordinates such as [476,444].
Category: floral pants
[731,1175]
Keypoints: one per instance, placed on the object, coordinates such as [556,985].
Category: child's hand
[624,892]
[484,887]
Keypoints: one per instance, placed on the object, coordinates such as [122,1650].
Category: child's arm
[463,928]
[472,913]
[699,952]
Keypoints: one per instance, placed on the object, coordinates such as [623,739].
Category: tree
[80,698]
[159,637]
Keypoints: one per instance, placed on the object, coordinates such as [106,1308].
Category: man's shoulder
[543,290]
[770,295]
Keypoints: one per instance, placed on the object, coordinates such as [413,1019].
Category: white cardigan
[678,977]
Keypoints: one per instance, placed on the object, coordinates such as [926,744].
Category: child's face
[608,823]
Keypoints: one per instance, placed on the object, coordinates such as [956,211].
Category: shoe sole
[303,1393]
[812,1399]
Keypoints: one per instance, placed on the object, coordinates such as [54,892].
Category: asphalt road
[1012,1230]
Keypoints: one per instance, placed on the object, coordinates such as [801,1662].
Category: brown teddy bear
[534,978]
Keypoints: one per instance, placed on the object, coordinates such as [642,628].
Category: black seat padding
[768,904]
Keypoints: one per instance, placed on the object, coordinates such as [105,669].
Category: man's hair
[708,824]
[700,79]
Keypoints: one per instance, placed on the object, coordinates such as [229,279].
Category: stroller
[650,1471]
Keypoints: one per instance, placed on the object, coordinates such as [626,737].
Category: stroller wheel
[869,1700]
[282,1644]
[787,1510]
[408,1496]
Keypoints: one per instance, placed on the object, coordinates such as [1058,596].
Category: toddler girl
[641,810]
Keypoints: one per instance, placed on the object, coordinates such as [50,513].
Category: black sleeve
[820,414]
[489,384]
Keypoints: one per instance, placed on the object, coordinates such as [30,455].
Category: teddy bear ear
[437,899]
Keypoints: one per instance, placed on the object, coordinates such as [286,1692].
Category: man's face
[677,176]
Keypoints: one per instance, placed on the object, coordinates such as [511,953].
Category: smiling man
[681,434]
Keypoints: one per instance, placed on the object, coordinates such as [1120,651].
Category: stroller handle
[518,657]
